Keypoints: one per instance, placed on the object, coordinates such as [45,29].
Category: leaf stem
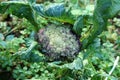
[92,65]
[114,66]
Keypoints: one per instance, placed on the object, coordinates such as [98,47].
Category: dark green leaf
[56,11]
[81,23]
[19,9]
[32,1]
[104,10]
[78,25]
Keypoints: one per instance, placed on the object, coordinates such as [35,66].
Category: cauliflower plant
[58,42]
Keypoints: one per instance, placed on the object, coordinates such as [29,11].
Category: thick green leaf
[104,10]
[19,9]
[75,65]
[32,1]
[9,37]
[3,44]
[80,23]
[56,11]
